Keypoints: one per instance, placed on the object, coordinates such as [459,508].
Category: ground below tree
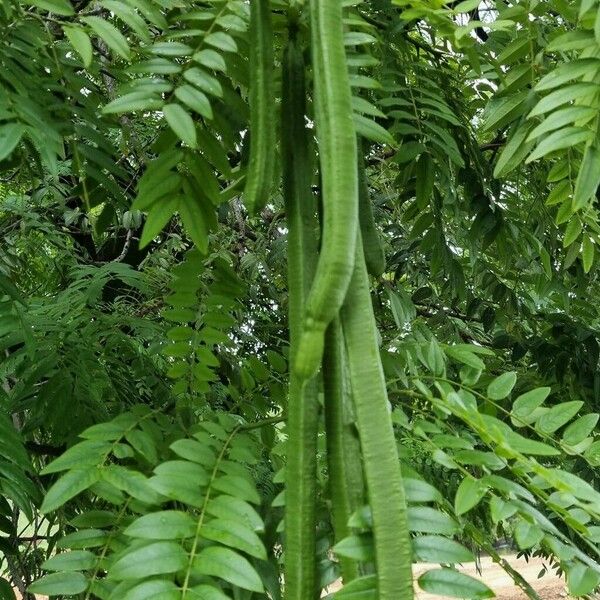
[549,587]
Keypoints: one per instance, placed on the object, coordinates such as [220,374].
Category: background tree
[161,322]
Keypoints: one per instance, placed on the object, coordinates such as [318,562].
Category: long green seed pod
[302,425]
[373,249]
[378,444]
[346,484]
[337,154]
[300,203]
[261,166]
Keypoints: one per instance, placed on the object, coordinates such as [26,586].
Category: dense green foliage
[166,295]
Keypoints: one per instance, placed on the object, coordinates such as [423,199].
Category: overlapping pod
[300,203]
[344,464]
[261,164]
[337,155]
[378,444]
[302,422]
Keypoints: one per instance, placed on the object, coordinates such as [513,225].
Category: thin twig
[125,246]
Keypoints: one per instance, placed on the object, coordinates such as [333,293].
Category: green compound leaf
[181,123]
[81,42]
[68,486]
[468,495]
[154,559]
[439,549]
[59,584]
[109,34]
[446,582]
[502,386]
[163,525]
[229,566]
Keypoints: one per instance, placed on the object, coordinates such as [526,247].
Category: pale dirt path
[549,587]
